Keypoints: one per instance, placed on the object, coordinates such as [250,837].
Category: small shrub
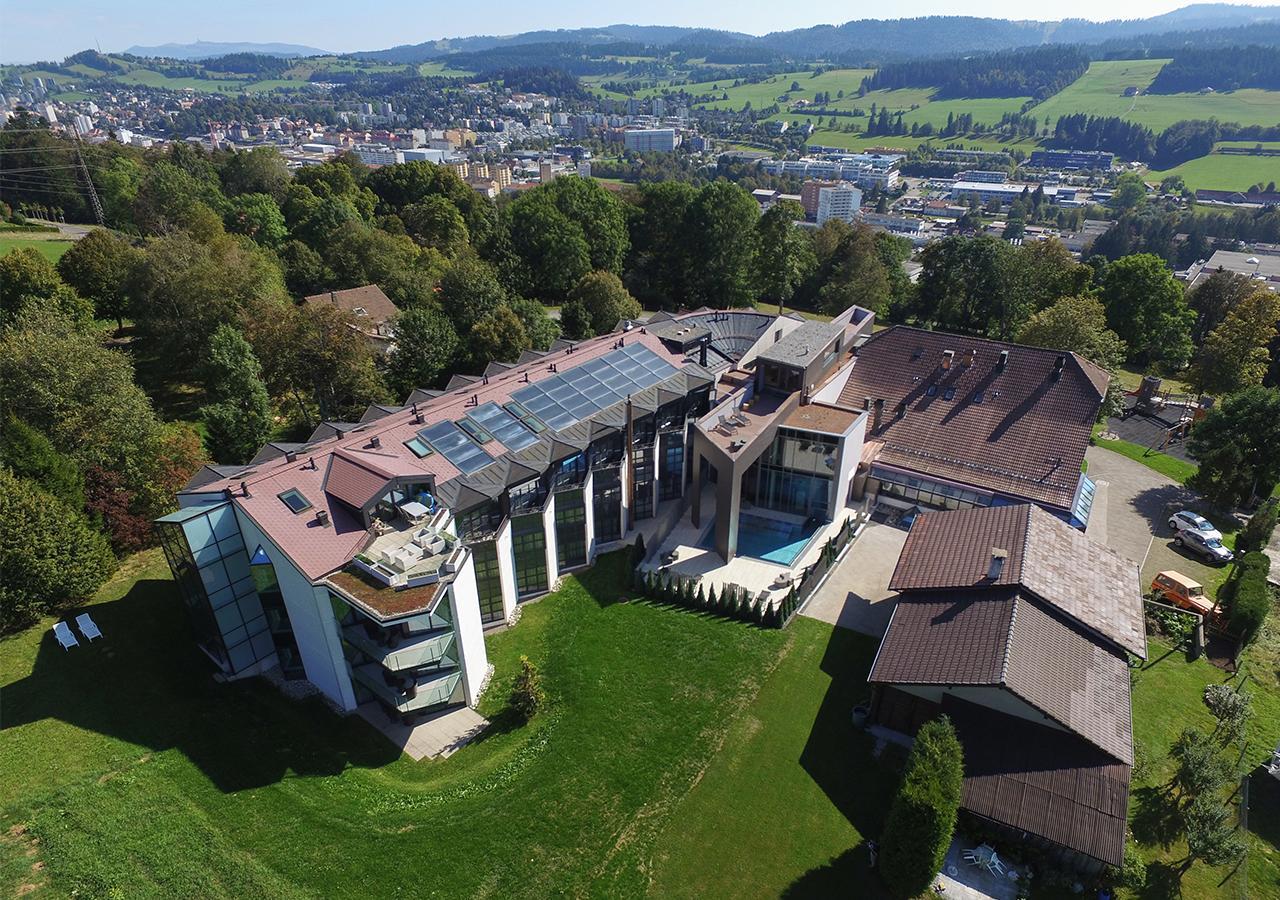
[701,599]
[527,695]
[713,602]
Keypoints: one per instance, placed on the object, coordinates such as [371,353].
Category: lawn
[1100,92]
[51,249]
[766,93]
[1224,172]
[135,774]
[1166,699]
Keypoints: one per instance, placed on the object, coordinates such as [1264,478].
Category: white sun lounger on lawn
[87,626]
[62,631]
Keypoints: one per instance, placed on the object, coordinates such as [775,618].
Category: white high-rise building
[841,201]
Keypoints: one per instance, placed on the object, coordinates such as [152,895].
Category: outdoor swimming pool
[773,540]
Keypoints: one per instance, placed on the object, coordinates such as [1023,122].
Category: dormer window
[360,311]
[293,499]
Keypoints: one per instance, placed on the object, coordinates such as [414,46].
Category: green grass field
[765,93]
[1224,172]
[51,249]
[680,756]
[1100,92]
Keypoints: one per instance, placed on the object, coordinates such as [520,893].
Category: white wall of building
[507,568]
[464,602]
[991,697]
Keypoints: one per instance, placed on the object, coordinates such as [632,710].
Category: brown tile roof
[1089,582]
[1027,436]
[1038,780]
[377,306]
[946,638]
[999,638]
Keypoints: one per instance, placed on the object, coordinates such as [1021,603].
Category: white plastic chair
[88,627]
[66,637]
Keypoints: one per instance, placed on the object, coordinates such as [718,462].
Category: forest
[1038,73]
[1194,69]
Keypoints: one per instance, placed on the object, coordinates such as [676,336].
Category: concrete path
[439,736]
[855,594]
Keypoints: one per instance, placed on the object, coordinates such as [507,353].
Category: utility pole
[93,192]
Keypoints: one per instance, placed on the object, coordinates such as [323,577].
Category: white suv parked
[1186,520]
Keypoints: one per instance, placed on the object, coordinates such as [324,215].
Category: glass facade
[642,458]
[927,492]
[782,379]
[670,465]
[569,473]
[480,522]
[207,557]
[488,581]
[268,587]
[571,530]
[794,475]
[528,497]
[529,545]
[607,502]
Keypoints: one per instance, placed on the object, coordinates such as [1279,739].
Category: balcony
[410,652]
[407,694]
[412,557]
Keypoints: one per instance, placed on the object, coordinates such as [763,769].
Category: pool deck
[709,567]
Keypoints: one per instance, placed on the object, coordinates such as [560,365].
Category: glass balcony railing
[407,695]
[408,653]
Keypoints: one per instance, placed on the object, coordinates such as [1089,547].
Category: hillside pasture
[1100,92]
[1224,172]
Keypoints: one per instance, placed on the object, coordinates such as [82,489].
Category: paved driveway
[855,594]
[1131,513]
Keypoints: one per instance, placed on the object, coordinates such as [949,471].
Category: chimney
[375,442]
[996,566]
[1057,367]
[322,516]
[973,357]
[1004,361]
[333,298]
[947,356]
[291,456]
[312,462]
[417,416]
[902,409]
[866,403]
[875,421]
[244,488]
[702,353]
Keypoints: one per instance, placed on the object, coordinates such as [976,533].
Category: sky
[53,29]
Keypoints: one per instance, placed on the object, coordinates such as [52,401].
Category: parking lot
[1131,515]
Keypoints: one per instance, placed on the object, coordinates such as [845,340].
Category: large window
[782,379]
[268,587]
[607,451]
[571,530]
[929,493]
[529,544]
[670,466]
[480,522]
[528,497]
[642,457]
[607,503]
[794,474]
[488,581]
[569,473]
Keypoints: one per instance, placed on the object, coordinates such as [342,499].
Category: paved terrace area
[708,566]
[439,736]
[755,416]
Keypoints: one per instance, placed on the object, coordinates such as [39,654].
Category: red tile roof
[354,482]
[317,550]
[1019,431]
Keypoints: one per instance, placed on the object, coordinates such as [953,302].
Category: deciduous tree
[99,267]
[1146,308]
[720,247]
[1238,447]
[1236,354]
[239,419]
[426,344]
[50,556]
[602,301]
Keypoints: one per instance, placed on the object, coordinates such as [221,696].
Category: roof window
[294,500]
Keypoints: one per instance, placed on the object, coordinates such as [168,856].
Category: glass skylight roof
[584,390]
[493,419]
[456,446]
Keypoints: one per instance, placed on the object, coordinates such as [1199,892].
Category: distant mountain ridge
[206,49]
[885,38]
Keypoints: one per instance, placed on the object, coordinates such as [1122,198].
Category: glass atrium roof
[584,390]
[502,425]
[456,446]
